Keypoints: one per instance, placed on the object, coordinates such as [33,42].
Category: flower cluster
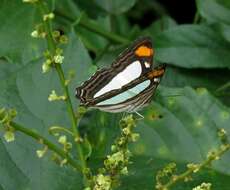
[66,145]
[48,16]
[42,152]
[6,117]
[57,58]
[167,177]
[102,182]
[39,32]
[53,96]
[167,173]
[116,163]
[203,186]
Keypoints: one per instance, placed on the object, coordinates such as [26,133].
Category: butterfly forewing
[136,96]
[127,85]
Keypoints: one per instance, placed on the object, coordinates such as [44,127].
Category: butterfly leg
[141,116]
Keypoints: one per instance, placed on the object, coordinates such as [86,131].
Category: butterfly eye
[147,65]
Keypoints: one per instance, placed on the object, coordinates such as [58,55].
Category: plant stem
[187,173]
[52,48]
[223,87]
[196,18]
[48,143]
[94,27]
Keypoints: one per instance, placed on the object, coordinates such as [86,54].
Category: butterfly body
[127,85]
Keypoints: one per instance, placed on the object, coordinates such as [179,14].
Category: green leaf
[214,11]
[180,129]
[223,29]
[143,173]
[184,128]
[93,41]
[193,46]
[26,89]
[9,171]
[116,7]
[208,78]
[159,26]
[16,43]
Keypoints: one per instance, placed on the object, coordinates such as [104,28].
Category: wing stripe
[131,104]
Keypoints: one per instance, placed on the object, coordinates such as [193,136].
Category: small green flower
[35,34]
[58,59]
[9,136]
[113,160]
[38,34]
[48,16]
[46,66]
[41,153]
[126,130]
[53,96]
[56,34]
[212,155]
[63,39]
[63,162]
[78,139]
[124,171]
[113,148]
[194,167]
[62,139]
[103,182]
[203,186]
[134,137]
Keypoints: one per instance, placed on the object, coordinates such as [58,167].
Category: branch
[52,48]
[195,167]
[94,27]
[46,142]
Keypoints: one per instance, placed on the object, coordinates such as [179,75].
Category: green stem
[223,87]
[189,172]
[55,129]
[48,143]
[52,48]
[196,18]
[96,28]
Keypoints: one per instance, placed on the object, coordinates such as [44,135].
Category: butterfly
[128,84]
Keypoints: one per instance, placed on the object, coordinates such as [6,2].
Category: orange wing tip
[144,51]
[156,73]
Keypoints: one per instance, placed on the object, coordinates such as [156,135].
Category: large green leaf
[116,7]
[144,169]
[208,78]
[178,129]
[158,27]
[27,89]
[214,11]
[193,46]
[17,22]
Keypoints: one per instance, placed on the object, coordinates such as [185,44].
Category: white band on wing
[130,73]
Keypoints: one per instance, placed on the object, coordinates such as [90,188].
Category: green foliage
[179,126]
